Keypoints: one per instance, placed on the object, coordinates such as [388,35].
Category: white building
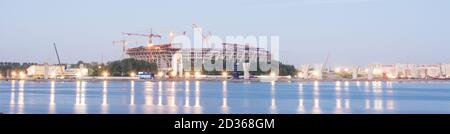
[52,71]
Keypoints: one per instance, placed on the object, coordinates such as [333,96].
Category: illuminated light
[377,71]
[337,70]
[171,34]
[52,75]
[316,73]
[224,74]
[346,69]
[366,70]
[105,74]
[132,74]
[13,74]
[99,67]
[160,74]
[173,73]
[390,76]
[273,74]
[300,75]
[22,75]
[150,45]
[187,74]
[78,74]
[197,74]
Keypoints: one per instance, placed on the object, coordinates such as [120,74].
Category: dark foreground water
[129,97]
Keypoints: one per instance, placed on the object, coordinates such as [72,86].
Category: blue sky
[353,31]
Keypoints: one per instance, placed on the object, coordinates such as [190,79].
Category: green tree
[124,67]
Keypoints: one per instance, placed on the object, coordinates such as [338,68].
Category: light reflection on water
[173,97]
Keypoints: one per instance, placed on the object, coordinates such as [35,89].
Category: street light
[187,74]
[173,73]
[22,75]
[105,74]
[160,74]
[132,74]
[13,74]
[197,74]
[337,70]
[224,74]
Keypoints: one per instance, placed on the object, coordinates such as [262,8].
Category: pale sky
[353,31]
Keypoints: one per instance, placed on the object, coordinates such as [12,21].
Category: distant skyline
[352,31]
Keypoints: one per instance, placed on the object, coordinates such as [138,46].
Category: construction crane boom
[150,36]
[59,61]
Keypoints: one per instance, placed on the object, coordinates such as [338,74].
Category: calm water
[223,97]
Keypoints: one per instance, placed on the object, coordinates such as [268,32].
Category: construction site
[176,62]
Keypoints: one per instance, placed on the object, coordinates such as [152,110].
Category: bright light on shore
[13,74]
[105,74]
[187,74]
[337,70]
[197,74]
[300,75]
[78,74]
[160,74]
[273,74]
[173,73]
[52,75]
[377,71]
[224,74]
[316,73]
[132,74]
[346,70]
[22,75]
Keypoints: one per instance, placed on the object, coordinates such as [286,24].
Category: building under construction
[163,54]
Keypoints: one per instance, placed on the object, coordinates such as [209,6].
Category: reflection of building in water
[172,107]
[105,98]
[338,108]
[80,104]
[148,93]
[51,108]
[316,94]
[273,106]
[160,93]
[12,101]
[197,106]
[301,107]
[379,103]
[225,108]
[132,94]
[21,99]
[346,86]
[186,97]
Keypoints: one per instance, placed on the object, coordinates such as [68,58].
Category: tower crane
[205,38]
[150,36]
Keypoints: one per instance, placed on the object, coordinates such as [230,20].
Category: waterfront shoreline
[123,79]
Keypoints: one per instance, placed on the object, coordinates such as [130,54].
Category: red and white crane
[150,36]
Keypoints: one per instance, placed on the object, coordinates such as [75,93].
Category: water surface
[197,97]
